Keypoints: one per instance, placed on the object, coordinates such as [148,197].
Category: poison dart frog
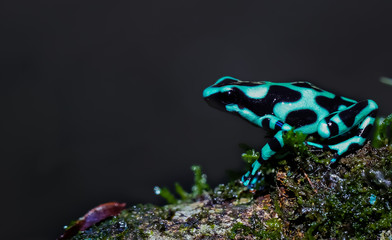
[281,107]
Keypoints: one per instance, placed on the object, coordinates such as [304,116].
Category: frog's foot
[250,180]
[334,159]
[336,156]
[341,148]
[318,145]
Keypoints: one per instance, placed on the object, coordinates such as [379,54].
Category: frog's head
[231,91]
[222,93]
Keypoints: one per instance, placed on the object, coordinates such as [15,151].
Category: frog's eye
[228,97]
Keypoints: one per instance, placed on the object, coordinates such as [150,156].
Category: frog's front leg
[360,115]
[267,121]
[275,144]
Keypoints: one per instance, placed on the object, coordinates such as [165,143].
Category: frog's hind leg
[361,114]
[275,144]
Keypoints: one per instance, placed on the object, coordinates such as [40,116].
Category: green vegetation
[250,156]
[257,229]
[301,196]
[200,186]
[295,144]
[166,194]
[383,132]
[125,224]
[200,182]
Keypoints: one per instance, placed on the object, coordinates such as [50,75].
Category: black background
[101,100]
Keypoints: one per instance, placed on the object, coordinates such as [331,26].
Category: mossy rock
[300,199]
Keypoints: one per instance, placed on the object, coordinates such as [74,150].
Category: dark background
[101,100]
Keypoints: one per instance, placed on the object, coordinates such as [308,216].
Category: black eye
[228,97]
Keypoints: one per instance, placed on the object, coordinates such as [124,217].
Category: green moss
[295,144]
[296,141]
[272,230]
[127,223]
[351,200]
[181,192]
[200,181]
[239,229]
[200,186]
[307,199]
[166,194]
[339,203]
[229,191]
[255,228]
[250,156]
[382,136]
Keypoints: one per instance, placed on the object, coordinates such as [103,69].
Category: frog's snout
[211,96]
[215,103]
[207,92]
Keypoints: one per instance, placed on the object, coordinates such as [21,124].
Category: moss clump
[166,194]
[200,186]
[231,191]
[295,141]
[200,182]
[383,132]
[240,228]
[256,228]
[250,155]
[295,144]
[351,200]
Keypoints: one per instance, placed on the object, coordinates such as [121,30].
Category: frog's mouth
[216,101]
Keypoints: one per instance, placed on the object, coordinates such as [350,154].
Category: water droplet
[157,190]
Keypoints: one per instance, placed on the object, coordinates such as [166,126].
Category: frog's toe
[315,145]
[334,159]
[245,179]
[250,181]
[252,187]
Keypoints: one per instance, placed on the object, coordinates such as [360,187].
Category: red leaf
[93,216]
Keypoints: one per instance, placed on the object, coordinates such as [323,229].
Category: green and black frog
[281,107]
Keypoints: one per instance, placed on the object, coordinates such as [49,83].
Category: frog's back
[300,104]
[322,98]
[307,104]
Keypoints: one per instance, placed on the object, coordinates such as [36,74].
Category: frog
[299,106]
